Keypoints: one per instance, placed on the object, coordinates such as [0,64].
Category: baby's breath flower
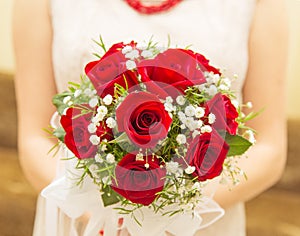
[147,54]
[172,167]
[181,116]
[199,124]
[92,128]
[212,90]
[66,99]
[223,87]
[96,119]
[235,103]
[103,147]
[126,49]
[106,180]
[88,92]
[249,104]
[98,158]
[180,100]
[102,110]
[107,100]
[182,126]
[206,129]
[141,46]
[93,102]
[216,78]
[94,139]
[201,87]
[189,110]
[199,112]
[77,93]
[169,99]
[181,139]
[70,103]
[191,123]
[110,158]
[250,135]
[211,118]
[111,123]
[169,107]
[190,169]
[130,65]
[195,133]
[132,54]
[65,111]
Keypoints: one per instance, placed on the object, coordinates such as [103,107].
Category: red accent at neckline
[148,10]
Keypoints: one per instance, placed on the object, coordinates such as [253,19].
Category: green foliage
[238,145]
[109,197]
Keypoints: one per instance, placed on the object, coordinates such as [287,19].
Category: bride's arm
[265,88]
[34,88]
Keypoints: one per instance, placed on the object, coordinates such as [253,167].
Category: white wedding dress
[218,29]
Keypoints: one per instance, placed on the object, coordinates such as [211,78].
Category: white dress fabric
[218,29]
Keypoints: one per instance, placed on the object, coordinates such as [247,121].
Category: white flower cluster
[214,84]
[140,50]
[101,113]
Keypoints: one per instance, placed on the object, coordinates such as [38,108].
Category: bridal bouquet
[153,126]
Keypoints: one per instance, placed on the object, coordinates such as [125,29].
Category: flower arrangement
[152,126]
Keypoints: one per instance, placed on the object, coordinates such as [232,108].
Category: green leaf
[238,145]
[59,133]
[57,101]
[109,197]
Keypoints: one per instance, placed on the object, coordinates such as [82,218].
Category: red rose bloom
[226,114]
[137,183]
[77,135]
[204,64]
[171,72]
[144,119]
[110,70]
[207,153]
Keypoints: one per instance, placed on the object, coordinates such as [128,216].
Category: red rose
[171,72]
[136,182]
[110,70]
[204,64]
[144,119]
[77,137]
[226,113]
[207,153]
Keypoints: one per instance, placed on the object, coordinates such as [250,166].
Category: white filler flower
[110,158]
[111,123]
[94,139]
[130,65]
[107,99]
[181,139]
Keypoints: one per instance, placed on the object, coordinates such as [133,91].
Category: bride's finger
[124,232]
[169,234]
